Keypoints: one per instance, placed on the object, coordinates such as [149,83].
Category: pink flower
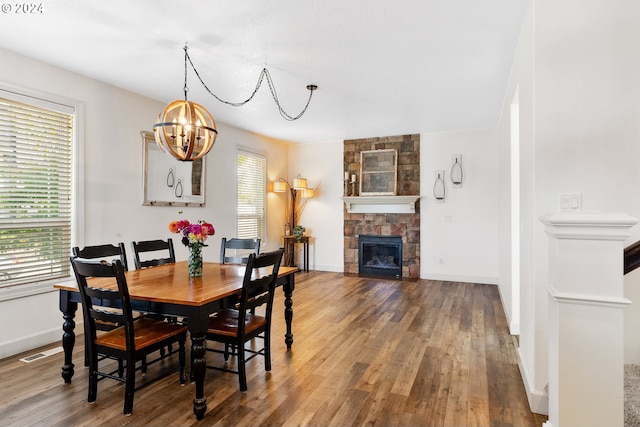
[193,234]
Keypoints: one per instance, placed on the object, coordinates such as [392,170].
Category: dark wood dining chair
[104,252]
[234,327]
[157,252]
[155,247]
[132,342]
[238,244]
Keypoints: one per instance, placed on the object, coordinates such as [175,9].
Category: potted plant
[298,232]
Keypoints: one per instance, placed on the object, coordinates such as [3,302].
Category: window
[36,147]
[252,169]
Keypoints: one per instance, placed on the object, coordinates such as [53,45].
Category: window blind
[35,192]
[251,181]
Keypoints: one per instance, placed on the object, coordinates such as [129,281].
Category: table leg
[198,369]
[288,287]
[68,309]
[306,256]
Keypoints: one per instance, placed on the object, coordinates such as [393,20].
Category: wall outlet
[441,261]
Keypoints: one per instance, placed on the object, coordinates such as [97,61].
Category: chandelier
[187,131]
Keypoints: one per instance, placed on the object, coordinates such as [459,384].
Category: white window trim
[40,98]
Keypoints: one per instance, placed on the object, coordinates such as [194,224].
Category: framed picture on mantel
[378,172]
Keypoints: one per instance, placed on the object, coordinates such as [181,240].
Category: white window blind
[35,191]
[252,169]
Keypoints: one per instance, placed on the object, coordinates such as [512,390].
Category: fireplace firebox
[380,256]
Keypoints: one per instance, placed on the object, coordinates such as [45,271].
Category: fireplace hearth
[380,256]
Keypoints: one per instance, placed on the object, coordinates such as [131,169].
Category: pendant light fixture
[187,131]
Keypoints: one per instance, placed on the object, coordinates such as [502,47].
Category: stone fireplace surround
[406,225]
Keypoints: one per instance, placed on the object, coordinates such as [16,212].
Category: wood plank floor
[366,352]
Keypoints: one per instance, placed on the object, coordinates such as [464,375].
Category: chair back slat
[153,246]
[102,252]
[238,244]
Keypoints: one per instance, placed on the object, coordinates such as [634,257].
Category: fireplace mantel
[381,204]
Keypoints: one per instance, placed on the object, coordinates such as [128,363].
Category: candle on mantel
[353,177]
[346,175]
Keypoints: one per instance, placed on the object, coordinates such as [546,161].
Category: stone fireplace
[406,226]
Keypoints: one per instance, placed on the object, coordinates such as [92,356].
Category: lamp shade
[185,130]
[279,186]
[299,183]
[307,193]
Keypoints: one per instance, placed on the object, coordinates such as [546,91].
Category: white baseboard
[484,280]
[28,343]
[538,399]
[330,268]
[514,326]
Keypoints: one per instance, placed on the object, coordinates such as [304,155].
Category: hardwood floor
[366,352]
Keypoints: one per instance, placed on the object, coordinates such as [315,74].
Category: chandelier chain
[186,88]
[263,74]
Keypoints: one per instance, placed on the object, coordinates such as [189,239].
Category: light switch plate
[570,202]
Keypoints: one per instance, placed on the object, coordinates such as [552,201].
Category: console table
[289,252]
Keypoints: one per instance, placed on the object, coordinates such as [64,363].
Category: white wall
[323,216]
[578,75]
[113,208]
[459,238]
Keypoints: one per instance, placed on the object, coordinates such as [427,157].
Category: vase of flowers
[193,236]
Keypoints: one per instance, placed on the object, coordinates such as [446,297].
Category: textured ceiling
[382,67]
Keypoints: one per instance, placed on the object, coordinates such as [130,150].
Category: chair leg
[144,365]
[86,350]
[226,351]
[242,371]
[267,350]
[120,368]
[130,382]
[181,359]
[93,378]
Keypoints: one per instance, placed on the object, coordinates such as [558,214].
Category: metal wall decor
[439,189]
[170,178]
[457,173]
[179,189]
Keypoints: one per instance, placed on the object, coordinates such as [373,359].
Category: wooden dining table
[168,289]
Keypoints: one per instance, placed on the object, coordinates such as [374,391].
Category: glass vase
[195,261]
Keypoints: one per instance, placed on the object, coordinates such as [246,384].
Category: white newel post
[586,303]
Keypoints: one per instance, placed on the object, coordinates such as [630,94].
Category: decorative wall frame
[167,181]
[378,172]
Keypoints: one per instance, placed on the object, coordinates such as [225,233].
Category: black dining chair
[156,252]
[132,342]
[234,327]
[238,244]
[161,248]
[97,253]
